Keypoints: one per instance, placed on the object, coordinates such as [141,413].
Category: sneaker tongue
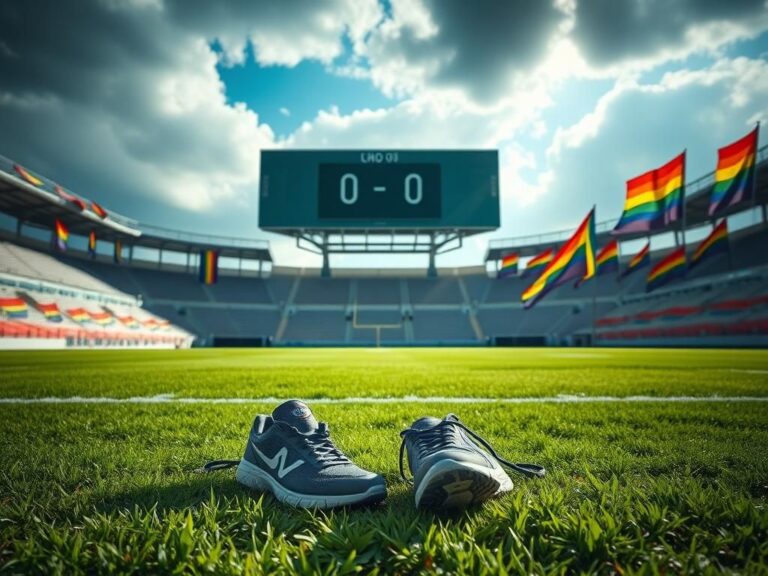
[426,422]
[297,414]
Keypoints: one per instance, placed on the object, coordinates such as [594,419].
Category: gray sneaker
[292,456]
[449,468]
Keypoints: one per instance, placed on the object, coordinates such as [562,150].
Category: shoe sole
[454,485]
[257,479]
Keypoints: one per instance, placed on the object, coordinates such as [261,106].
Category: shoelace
[323,448]
[437,436]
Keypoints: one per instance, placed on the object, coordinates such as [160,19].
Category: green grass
[314,373]
[647,487]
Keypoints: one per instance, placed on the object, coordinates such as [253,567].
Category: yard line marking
[561,399]
[576,355]
[748,371]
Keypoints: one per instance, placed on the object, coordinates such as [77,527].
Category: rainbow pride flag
[735,174]
[608,258]
[508,265]
[28,176]
[51,311]
[92,244]
[209,266]
[129,322]
[642,258]
[575,259]
[98,210]
[670,267]
[64,195]
[654,199]
[62,235]
[539,262]
[78,315]
[13,307]
[101,318]
[715,243]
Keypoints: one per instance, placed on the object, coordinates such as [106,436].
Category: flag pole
[754,176]
[594,281]
[684,219]
[730,254]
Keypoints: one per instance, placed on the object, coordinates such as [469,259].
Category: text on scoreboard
[338,189]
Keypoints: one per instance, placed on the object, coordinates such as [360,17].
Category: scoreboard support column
[326,270]
[432,269]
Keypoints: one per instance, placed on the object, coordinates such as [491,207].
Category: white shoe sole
[455,485]
[257,479]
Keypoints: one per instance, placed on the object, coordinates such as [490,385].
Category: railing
[691,188]
[211,239]
[546,237]
[49,187]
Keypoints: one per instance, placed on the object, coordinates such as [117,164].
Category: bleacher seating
[723,298]
[477,286]
[279,287]
[250,323]
[718,314]
[378,291]
[233,289]
[378,317]
[444,326]
[434,291]
[310,326]
[502,322]
[323,291]
[84,311]
[159,285]
[35,265]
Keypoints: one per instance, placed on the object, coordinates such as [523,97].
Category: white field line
[576,355]
[561,399]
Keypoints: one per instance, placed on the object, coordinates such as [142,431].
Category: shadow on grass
[198,489]
[193,491]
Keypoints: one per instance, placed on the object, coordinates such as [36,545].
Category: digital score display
[371,190]
[378,191]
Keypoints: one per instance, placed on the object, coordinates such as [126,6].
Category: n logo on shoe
[278,461]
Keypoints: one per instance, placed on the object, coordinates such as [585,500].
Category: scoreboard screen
[344,189]
[379,191]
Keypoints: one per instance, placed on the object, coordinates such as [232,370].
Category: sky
[158,109]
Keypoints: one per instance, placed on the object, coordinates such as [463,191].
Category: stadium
[530,398]
[154,281]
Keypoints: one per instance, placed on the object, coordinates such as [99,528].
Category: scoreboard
[387,189]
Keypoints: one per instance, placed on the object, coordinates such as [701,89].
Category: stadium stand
[728,311]
[721,302]
[48,304]
[434,291]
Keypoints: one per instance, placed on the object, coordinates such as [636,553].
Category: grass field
[650,487]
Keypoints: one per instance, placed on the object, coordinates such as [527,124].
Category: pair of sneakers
[291,455]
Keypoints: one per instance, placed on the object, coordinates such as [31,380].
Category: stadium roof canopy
[42,204]
[697,195]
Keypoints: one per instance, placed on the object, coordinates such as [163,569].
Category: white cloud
[633,128]
[136,106]
[285,112]
[743,80]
